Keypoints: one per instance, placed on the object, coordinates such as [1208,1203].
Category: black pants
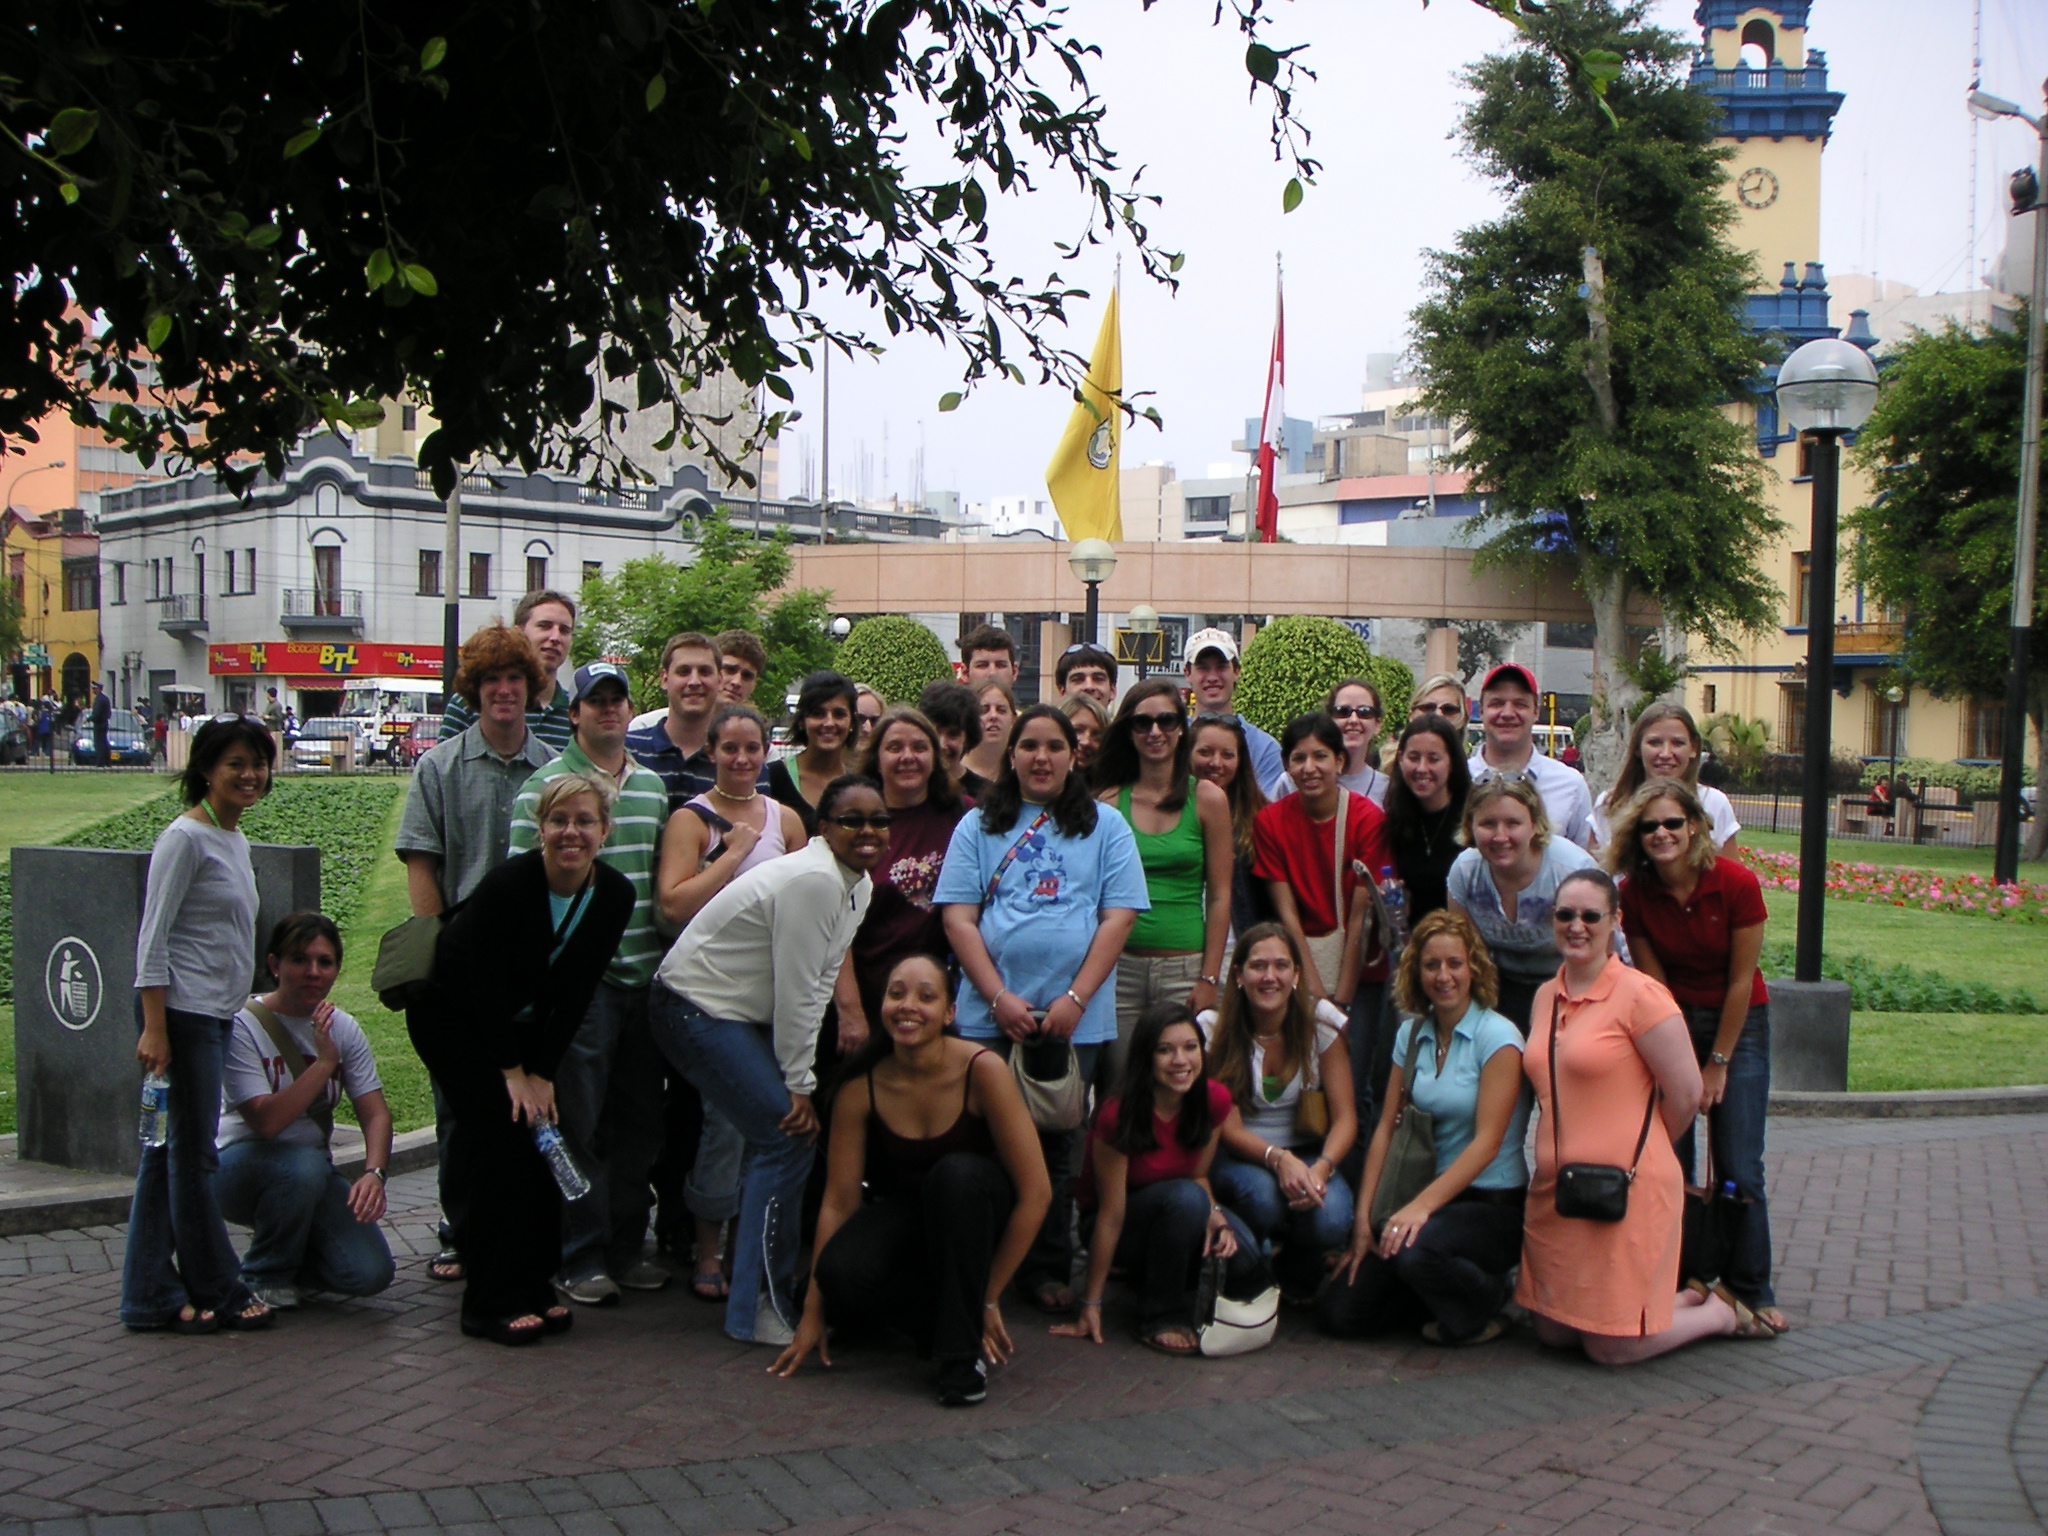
[506,1211]
[682,1125]
[1165,1228]
[1455,1272]
[920,1261]
[1517,1000]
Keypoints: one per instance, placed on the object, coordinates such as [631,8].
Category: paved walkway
[1910,1399]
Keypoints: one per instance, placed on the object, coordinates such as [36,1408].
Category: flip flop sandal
[499,1330]
[710,1286]
[445,1266]
[200,1322]
[1748,1326]
[253,1317]
[1773,1319]
[1158,1341]
[557,1320]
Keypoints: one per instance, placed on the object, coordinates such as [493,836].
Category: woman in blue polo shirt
[1445,1255]
[1041,886]
[1695,921]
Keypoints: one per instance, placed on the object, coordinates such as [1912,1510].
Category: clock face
[1757,187]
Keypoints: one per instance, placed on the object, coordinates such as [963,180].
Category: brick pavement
[1911,1255]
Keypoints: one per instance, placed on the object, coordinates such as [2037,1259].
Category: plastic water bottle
[156,1110]
[568,1177]
[1395,895]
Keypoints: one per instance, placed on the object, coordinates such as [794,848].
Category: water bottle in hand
[1395,895]
[156,1110]
[568,1177]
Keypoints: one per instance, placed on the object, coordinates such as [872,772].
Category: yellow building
[1778,111]
[53,571]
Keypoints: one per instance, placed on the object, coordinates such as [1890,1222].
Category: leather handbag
[1410,1165]
[1713,1221]
[1048,1075]
[1224,1327]
[405,962]
[1590,1191]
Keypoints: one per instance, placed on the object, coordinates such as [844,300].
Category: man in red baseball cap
[1507,716]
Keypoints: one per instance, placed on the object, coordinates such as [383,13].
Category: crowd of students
[954,989]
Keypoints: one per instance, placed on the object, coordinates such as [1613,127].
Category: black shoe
[962,1383]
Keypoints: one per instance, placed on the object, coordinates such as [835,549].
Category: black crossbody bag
[1590,1191]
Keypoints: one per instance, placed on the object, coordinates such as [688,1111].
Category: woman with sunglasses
[1220,755]
[1442,695]
[1185,843]
[823,729]
[1695,921]
[1666,744]
[1506,881]
[1616,1083]
[1355,705]
[868,708]
[1040,889]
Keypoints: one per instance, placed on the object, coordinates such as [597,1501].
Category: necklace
[206,805]
[752,794]
[1431,834]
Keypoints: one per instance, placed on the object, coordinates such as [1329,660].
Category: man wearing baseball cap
[612,1075]
[1507,716]
[1212,676]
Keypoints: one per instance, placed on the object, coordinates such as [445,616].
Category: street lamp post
[1093,561]
[1144,622]
[1826,389]
[1894,696]
[21,475]
[2027,196]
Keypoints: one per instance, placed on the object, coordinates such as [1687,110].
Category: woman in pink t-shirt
[1156,1216]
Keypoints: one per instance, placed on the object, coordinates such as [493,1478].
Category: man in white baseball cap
[1212,672]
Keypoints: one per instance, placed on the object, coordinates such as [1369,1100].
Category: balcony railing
[1882,638]
[337,609]
[181,614]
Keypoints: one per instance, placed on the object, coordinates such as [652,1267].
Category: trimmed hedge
[1875,988]
[1292,662]
[895,656]
[1969,783]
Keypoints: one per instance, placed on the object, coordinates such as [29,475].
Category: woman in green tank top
[1183,830]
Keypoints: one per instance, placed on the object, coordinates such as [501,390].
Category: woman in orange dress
[1622,1053]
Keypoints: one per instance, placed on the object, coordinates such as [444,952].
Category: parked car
[127,740]
[318,739]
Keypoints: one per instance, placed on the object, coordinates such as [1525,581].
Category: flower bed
[1903,885]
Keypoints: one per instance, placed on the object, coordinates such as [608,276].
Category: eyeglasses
[1354,712]
[1668,824]
[1145,725]
[853,821]
[1448,711]
[1564,917]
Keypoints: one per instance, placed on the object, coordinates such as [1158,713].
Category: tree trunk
[2035,847]
[1614,696]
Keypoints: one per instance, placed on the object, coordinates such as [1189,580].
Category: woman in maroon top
[924,805]
[1695,921]
[955,1190]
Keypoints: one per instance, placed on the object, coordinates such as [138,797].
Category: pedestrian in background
[102,720]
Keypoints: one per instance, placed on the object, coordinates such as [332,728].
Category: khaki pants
[1141,981]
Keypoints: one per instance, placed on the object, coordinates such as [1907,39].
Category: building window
[1568,637]
[1983,729]
[234,567]
[1885,725]
[1802,587]
[327,579]
[536,573]
[1710,699]
[430,573]
[479,576]
[81,585]
[1206,509]
[120,584]
[248,570]
[409,418]
[592,571]
[1792,717]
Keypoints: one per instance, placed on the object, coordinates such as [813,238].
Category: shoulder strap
[1556,1129]
[1010,858]
[1337,871]
[319,1111]
[1408,1069]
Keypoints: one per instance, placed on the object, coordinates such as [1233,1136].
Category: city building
[52,572]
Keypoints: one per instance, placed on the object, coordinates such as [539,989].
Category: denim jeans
[1160,1247]
[178,1248]
[1252,1194]
[301,1230]
[1456,1272]
[1051,1258]
[712,1191]
[1735,1129]
[733,1064]
[608,1091]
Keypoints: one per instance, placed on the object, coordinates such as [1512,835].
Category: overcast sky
[1896,202]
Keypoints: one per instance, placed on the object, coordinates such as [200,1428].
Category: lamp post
[21,475]
[1144,622]
[841,627]
[2026,197]
[1093,561]
[1826,390]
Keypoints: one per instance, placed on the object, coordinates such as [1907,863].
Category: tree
[1591,340]
[1292,663]
[1480,644]
[531,218]
[895,656]
[1936,542]
[729,585]
[13,631]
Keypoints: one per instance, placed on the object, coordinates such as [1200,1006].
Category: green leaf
[778,386]
[235,225]
[945,203]
[1601,65]
[974,201]
[363,414]
[802,142]
[71,130]
[419,279]
[657,91]
[263,236]
[1291,198]
[950,401]
[299,143]
[1262,63]
[68,191]
[378,269]
[159,332]
[435,51]
[1176,262]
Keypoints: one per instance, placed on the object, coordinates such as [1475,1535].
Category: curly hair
[1624,852]
[1445,922]
[497,647]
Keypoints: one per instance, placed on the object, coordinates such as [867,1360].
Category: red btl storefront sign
[305,659]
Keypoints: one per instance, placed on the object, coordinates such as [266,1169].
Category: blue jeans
[178,1248]
[608,1090]
[712,1191]
[1160,1247]
[1735,1129]
[302,1231]
[1253,1194]
[733,1065]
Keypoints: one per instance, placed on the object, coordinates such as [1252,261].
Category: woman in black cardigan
[514,973]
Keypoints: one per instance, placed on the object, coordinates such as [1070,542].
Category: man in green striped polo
[608,1090]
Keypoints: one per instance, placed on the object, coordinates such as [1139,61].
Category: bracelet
[1001,993]
[1075,998]
[1095,1304]
[1209,981]
[1715,1058]
[1268,1158]
[990,1306]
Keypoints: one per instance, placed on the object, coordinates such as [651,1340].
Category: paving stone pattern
[1910,1399]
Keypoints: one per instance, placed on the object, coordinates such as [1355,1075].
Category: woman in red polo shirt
[1695,921]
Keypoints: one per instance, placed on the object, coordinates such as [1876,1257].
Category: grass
[1890,1052]
[39,809]
[1969,861]
[383,906]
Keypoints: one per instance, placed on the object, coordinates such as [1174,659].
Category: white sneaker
[278,1295]
[597,1291]
[644,1275]
[769,1328]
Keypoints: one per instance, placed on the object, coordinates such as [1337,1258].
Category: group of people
[1270,1013]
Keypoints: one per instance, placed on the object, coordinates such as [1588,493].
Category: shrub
[895,656]
[1969,783]
[1291,663]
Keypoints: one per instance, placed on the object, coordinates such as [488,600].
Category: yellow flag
[1083,473]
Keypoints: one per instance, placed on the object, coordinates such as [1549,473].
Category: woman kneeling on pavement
[1156,1214]
[935,1190]
[514,972]
[1445,1254]
[290,1057]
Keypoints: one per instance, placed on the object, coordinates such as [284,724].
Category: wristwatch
[382,1177]
[1717,1059]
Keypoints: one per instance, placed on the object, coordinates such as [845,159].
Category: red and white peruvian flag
[1268,519]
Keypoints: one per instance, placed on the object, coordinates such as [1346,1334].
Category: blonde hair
[1430,684]
[1486,791]
[1077,703]
[1625,856]
[567,786]
[1440,924]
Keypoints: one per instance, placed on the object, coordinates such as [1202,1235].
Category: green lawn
[1948,943]
[1893,1051]
[384,906]
[1969,861]
[40,808]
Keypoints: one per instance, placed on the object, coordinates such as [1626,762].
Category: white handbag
[1234,1327]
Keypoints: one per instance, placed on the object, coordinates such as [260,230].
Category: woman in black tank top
[935,1187]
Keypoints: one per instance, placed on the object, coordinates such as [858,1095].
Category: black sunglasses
[1667,824]
[1449,711]
[854,821]
[1145,725]
[1590,917]
[1354,711]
